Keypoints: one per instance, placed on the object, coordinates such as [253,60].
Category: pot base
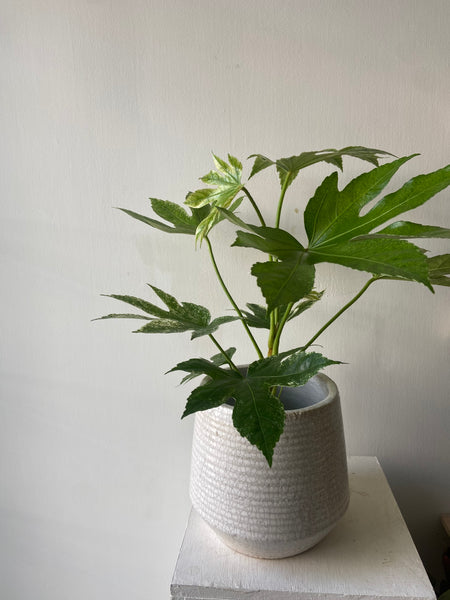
[271,550]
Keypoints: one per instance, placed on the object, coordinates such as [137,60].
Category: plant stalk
[280,202]
[225,355]
[230,298]
[284,318]
[339,313]
[255,206]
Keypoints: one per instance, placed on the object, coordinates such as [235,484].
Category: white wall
[105,103]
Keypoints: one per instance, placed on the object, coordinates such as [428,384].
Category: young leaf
[258,416]
[284,282]
[226,182]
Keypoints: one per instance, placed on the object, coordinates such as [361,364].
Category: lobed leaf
[147,307]
[407,230]
[293,368]
[218,360]
[284,282]
[288,168]
[439,269]
[332,216]
[258,416]
[382,257]
[213,326]
[211,394]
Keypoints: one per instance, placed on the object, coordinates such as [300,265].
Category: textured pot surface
[280,511]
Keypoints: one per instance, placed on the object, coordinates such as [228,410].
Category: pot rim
[329,384]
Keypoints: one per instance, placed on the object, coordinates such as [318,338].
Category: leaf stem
[255,206]
[281,325]
[339,313]
[225,355]
[280,201]
[230,298]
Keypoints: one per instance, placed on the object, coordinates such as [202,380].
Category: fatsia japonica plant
[337,231]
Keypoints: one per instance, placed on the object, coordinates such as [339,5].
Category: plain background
[105,103]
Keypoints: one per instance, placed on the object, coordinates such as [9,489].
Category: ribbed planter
[284,510]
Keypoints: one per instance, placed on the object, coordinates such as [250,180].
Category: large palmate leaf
[333,221]
[331,215]
[177,319]
[226,182]
[258,415]
[288,168]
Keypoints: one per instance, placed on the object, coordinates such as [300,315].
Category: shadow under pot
[284,510]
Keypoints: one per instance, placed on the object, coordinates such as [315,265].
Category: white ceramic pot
[284,510]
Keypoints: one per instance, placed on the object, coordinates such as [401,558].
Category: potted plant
[268,465]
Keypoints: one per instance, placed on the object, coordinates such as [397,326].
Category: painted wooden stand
[370,555]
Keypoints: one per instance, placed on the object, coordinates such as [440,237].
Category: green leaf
[211,394]
[413,194]
[201,366]
[147,307]
[301,307]
[439,269]
[179,318]
[284,282]
[180,221]
[289,368]
[258,416]
[261,162]
[273,241]
[218,360]
[164,326]
[407,230]
[382,257]
[258,316]
[213,326]
[288,168]
[174,213]
[121,316]
[332,216]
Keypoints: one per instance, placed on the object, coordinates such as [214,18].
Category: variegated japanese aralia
[337,232]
